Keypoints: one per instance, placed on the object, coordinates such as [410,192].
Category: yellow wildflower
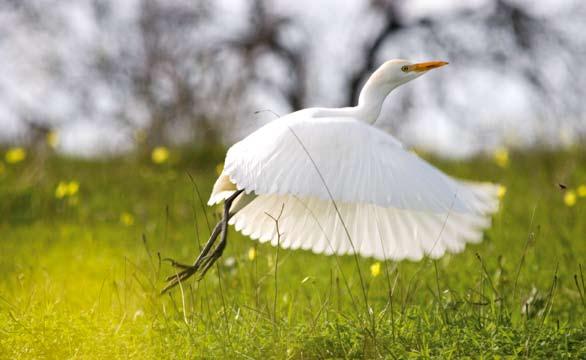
[501,191]
[15,155]
[570,198]
[219,168]
[252,253]
[53,139]
[375,269]
[582,190]
[160,154]
[72,188]
[65,188]
[501,157]
[126,219]
[61,190]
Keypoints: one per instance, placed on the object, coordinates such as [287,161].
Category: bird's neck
[369,106]
[371,99]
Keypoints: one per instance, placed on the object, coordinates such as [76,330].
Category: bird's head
[387,77]
[398,71]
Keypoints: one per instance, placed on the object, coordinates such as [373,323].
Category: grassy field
[81,244]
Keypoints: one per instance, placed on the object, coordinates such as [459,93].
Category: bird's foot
[186,272]
[177,264]
[202,266]
[204,261]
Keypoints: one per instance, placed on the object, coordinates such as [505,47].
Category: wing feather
[375,231]
[393,204]
[341,158]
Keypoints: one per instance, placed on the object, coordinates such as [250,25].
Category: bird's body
[336,184]
[393,204]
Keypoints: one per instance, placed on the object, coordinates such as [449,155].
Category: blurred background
[114,121]
[100,77]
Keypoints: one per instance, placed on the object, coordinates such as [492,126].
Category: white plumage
[345,186]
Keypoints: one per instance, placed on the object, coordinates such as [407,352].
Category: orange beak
[425,66]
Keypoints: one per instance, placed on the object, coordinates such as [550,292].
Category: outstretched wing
[346,187]
[341,159]
[367,229]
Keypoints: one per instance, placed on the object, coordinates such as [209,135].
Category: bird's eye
[404,68]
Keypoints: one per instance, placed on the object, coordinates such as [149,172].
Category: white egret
[343,186]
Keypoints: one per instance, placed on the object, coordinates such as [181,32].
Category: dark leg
[204,251]
[204,259]
[209,260]
[188,270]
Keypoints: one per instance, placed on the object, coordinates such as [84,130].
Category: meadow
[83,243]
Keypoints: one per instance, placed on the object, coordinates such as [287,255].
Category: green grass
[78,283]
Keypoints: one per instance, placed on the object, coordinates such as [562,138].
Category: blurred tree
[391,24]
[264,35]
[164,80]
[518,40]
[182,70]
[527,29]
